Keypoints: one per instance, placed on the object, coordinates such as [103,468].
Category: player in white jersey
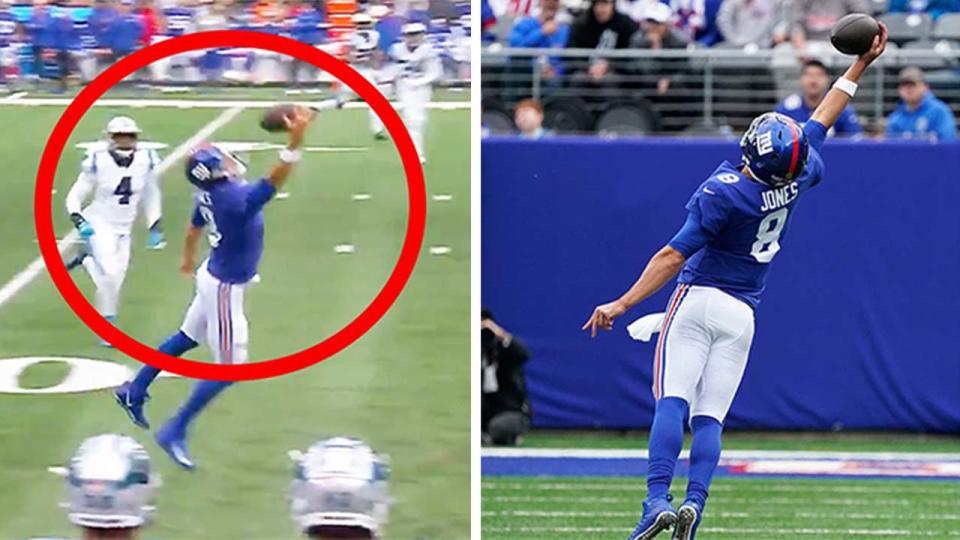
[362,57]
[118,178]
[416,66]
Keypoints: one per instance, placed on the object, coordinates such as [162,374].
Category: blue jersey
[795,107]
[233,211]
[179,20]
[745,222]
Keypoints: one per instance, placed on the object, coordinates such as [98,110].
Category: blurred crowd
[77,39]
[620,24]
[796,32]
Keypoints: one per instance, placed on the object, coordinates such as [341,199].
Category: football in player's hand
[854,33]
[274,119]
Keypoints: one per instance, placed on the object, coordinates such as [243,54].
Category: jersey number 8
[768,235]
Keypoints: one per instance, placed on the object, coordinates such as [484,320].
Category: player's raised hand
[297,123]
[603,316]
[879,45]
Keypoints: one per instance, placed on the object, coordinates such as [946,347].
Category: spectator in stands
[101,21]
[761,22]
[307,27]
[152,22]
[541,31]
[656,33]
[814,83]
[920,114]
[54,40]
[601,27]
[528,117]
[698,20]
[812,20]
[41,34]
[504,408]
[125,31]
[934,7]
[488,20]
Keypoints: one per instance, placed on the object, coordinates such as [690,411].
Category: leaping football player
[737,220]
[121,178]
[231,209]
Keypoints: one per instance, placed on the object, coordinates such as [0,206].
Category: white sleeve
[152,200]
[85,184]
[432,71]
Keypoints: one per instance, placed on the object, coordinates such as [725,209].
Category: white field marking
[633,485]
[361,196]
[729,515]
[210,104]
[283,195]
[440,250]
[765,501]
[13,97]
[442,197]
[739,530]
[342,249]
[28,274]
[609,453]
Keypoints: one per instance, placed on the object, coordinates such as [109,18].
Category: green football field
[521,508]
[404,387]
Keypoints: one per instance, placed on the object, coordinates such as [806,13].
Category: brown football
[274,117]
[854,33]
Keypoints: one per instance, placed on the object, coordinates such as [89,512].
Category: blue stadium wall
[859,326]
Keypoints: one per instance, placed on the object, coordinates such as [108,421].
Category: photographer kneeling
[505,410]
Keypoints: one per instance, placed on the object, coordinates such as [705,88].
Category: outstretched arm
[296,127]
[662,268]
[839,96]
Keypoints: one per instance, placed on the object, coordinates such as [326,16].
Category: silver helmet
[110,484]
[340,483]
[122,125]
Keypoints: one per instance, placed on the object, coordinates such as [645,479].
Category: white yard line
[28,274]
[856,516]
[632,485]
[605,453]
[948,502]
[207,103]
[834,533]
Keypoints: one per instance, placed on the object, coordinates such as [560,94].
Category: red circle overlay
[413,239]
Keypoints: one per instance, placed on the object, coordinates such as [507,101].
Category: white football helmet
[340,483]
[122,125]
[110,484]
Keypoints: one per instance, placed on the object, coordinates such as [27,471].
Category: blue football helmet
[775,149]
[210,163]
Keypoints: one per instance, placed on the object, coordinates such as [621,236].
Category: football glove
[83,227]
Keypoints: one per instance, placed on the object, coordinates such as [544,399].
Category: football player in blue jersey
[231,209]
[736,222]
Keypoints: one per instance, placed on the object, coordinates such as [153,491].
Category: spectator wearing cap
[698,20]
[812,20]
[656,33]
[814,82]
[935,8]
[542,31]
[760,22]
[528,117]
[601,27]
[920,114]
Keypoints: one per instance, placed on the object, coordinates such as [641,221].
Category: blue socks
[704,456]
[203,393]
[174,345]
[666,441]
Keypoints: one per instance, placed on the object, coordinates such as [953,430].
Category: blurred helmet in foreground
[110,484]
[339,488]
